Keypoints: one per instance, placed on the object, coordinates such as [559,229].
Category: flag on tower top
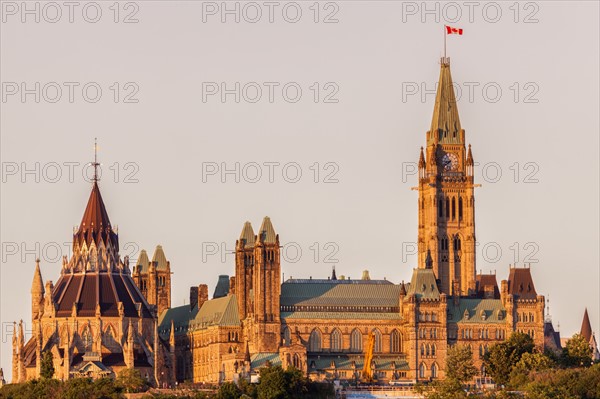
[450,30]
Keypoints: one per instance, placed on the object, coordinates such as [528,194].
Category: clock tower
[446,200]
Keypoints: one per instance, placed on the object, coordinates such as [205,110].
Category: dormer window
[466,314]
[483,315]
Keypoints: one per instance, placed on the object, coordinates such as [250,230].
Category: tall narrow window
[395,342]
[460,208]
[336,341]
[447,208]
[378,340]
[356,342]
[453,208]
[314,342]
[422,370]
[287,338]
[440,208]
[434,370]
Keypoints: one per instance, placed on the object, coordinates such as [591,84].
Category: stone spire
[247,237]
[586,327]
[333,275]
[445,124]
[267,232]
[428,260]
[421,160]
[37,292]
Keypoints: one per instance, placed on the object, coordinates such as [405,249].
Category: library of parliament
[104,314]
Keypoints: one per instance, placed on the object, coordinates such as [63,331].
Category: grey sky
[373,55]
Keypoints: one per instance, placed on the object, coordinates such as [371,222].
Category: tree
[131,380]
[459,364]
[47,365]
[272,384]
[529,362]
[502,357]
[577,352]
[229,390]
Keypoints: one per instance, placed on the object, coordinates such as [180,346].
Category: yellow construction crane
[367,373]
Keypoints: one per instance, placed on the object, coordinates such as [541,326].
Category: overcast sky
[318,113]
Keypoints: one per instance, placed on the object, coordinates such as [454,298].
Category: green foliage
[229,391]
[577,353]
[446,389]
[502,357]
[529,362]
[47,365]
[459,365]
[131,380]
[273,383]
[565,384]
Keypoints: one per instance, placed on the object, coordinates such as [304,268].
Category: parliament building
[103,315]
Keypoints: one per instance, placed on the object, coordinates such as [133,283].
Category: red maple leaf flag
[450,30]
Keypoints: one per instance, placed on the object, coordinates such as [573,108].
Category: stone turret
[37,293]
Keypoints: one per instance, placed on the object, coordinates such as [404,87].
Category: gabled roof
[221,312]
[180,316]
[445,112]
[259,360]
[247,237]
[551,337]
[423,284]
[520,283]
[267,232]
[159,259]
[586,327]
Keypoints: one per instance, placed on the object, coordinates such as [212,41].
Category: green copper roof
[159,259]
[355,362]
[221,311]
[267,232]
[259,360]
[342,315]
[181,316]
[142,262]
[247,236]
[303,294]
[445,121]
[423,284]
[473,310]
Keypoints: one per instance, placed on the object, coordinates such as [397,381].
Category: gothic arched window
[378,340]
[434,369]
[336,341]
[447,208]
[356,341]
[422,370]
[314,342]
[86,339]
[460,208]
[395,342]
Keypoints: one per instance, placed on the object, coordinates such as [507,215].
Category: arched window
[457,244]
[440,208]
[447,207]
[422,349]
[422,370]
[433,349]
[296,362]
[86,339]
[428,350]
[460,208]
[395,342]
[336,341]
[434,370]
[378,340]
[453,208]
[531,317]
[287,336]
[356,341]
[314,342]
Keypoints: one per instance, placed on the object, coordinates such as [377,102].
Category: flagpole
[445,41]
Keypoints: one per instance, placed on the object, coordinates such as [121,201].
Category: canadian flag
[450,30]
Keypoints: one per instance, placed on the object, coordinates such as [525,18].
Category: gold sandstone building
[321,326]
[100,317]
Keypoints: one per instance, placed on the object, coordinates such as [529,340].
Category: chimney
[202,294]
[232,285]
[193,297]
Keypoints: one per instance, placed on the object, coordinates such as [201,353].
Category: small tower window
[453,208]
[447,207]
[460,208]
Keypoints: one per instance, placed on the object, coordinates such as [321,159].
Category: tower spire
[95,163]
[445,123]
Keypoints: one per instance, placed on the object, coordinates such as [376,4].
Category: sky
[209,114]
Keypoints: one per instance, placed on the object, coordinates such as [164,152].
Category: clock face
[450,161]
